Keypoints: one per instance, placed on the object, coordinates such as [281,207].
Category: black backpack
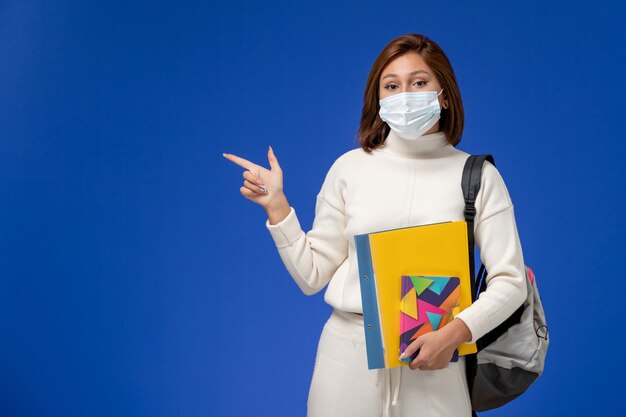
[503,368]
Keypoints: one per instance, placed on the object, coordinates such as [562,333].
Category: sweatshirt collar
[426,146]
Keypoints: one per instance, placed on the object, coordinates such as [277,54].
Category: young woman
[406,172]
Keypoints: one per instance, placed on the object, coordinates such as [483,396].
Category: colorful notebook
[427,303]
[435,250]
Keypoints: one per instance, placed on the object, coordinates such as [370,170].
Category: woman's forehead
[408,64]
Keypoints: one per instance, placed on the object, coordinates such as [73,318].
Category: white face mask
[411,114]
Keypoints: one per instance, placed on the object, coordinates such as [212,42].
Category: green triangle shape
[420,283]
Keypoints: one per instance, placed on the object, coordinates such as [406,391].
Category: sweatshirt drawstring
[396,391]
[391,387]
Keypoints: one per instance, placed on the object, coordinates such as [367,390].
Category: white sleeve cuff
[478,322]
[286,231]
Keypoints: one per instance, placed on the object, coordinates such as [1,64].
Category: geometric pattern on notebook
[427,304]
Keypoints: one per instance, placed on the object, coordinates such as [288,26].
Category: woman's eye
[392,87]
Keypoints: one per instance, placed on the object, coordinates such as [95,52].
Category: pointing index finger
[244,163]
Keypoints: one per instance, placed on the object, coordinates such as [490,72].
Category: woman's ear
[444,101]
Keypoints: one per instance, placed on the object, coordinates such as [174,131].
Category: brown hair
[373,130]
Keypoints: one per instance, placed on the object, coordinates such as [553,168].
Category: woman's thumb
[272,159]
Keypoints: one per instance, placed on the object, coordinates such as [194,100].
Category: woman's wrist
[459,332]
[278,209]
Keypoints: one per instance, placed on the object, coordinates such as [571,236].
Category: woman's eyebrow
[413,73]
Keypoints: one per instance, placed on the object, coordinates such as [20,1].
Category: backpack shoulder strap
[470,185]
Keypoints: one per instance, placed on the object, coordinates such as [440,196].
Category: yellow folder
[439,249]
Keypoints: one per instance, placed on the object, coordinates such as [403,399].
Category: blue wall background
[136,281]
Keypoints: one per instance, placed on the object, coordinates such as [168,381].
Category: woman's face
[409,73]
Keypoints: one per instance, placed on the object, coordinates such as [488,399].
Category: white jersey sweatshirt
[403,183]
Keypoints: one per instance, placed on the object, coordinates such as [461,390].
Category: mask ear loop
[438,96]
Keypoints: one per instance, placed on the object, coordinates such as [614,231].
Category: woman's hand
[436,348]
[263,186]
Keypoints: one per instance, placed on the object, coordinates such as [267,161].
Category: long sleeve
[495,233]
[312,258]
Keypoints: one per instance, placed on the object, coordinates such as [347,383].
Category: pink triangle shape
[409,322]
[423,307]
